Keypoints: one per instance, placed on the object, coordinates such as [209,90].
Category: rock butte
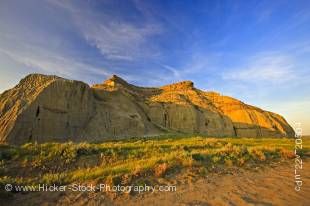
[49,108]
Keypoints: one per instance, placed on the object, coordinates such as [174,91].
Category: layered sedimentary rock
[49,108]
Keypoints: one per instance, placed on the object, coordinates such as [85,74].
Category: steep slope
[49,108]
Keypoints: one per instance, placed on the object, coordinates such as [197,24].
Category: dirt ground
[267,185]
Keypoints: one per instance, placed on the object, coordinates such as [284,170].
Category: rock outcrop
[49,108]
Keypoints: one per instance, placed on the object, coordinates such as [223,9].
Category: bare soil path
[266,186]
[269,185]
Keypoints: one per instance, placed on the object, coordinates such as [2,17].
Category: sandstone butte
[46,108]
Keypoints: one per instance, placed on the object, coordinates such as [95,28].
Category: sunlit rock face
[45,108]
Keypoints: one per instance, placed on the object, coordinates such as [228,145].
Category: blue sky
[256,51]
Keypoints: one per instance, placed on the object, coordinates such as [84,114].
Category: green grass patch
[64,163]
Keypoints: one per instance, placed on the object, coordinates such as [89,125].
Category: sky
[255,51]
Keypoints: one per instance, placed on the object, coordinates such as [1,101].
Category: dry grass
[125,160]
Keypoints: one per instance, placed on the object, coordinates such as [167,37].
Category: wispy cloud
[194,64]
[51,50]
[272,68]
[42,56]
[49,62]
[119,40]
[114,37]
[176,74]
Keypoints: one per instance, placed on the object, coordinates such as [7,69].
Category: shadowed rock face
[49,108]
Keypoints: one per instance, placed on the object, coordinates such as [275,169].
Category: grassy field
[127,161]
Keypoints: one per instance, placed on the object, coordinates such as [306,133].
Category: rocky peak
[33,82]
[36,78]
[183,85]
[115,81]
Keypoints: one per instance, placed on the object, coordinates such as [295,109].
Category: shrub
[241,161]
[228,162]
[216,159]
[8,153]
[258,154]
[113,180]
[160,169]
[203,171]
[198,157]
[287,154]
[57,178]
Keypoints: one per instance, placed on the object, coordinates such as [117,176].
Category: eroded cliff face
[48,108]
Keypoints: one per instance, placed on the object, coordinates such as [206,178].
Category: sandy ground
[268,185]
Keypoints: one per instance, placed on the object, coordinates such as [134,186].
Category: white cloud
[119,40]
[52,62]
[175,73]
[48,48]
[115,38]
[273,68]
[196,63]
